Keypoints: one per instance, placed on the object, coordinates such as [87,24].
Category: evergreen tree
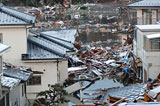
[53,96]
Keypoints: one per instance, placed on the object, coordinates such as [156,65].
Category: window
[1,38]
[155,44]
[147,16]
[35,80]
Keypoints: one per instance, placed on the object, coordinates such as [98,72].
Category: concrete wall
[15,37]
[147,57]
[49,76]
[15,96]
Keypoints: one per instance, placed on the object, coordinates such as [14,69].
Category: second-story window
[147,16]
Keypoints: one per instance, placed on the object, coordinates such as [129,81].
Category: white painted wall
[15,37]
[49,76]
[15,94]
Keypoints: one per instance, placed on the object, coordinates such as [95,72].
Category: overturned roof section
[9,16]
[46,45]
[146,3]
[3,48]
[132,92]
[9,82]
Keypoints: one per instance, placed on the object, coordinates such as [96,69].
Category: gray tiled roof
[65,34]
[9,82]
[37,52]
[131,92]
[146,3]
[9,16]
[44,46]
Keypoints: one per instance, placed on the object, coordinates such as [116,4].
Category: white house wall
[63,71]
[16,38]
[49,75]
[15,95]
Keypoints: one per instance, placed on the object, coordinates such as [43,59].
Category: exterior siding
[15,37]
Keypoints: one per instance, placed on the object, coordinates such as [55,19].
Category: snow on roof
[145,3]
[9,82]
[152,36]
[66,34]
[3,48]
[155,27]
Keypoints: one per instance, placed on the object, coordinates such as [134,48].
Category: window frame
[32,79]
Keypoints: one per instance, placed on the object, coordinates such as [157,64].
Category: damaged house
[46,52]
[146,45]
[13,82]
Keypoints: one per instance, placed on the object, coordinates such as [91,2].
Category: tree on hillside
[54,96]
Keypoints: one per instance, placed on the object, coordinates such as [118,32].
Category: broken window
[35,80]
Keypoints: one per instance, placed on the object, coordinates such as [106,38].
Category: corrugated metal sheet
[146,3]
[9,82]
[16,73]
